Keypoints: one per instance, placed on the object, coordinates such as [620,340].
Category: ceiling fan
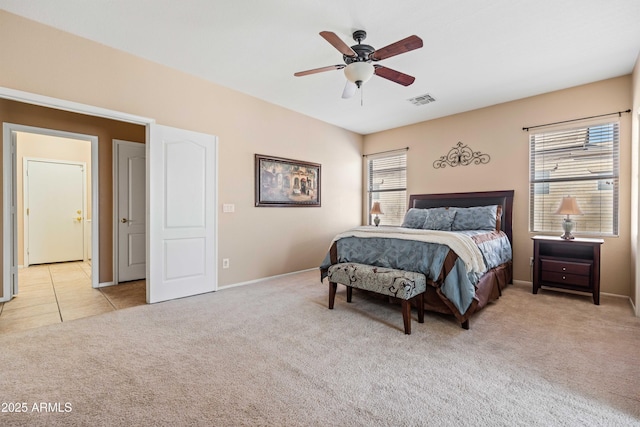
[358,60]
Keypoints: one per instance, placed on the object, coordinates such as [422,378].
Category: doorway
[42,232]
[181,242]
[53,183]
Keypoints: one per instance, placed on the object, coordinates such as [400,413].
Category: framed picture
[285,182]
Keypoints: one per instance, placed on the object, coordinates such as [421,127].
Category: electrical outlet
[225,263]
[531,261]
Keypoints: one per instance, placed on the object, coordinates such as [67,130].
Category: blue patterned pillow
[414,218]
[439,219]
[475,218]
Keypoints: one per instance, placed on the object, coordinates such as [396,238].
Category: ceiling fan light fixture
[359,72]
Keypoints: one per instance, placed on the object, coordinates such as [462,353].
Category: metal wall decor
[461,155]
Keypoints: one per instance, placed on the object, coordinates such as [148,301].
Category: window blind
[581,162]
[387,176]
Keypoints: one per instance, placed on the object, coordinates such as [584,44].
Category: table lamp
[375,210]
[568,206]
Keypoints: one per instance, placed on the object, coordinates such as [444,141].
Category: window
[581,162]
[387,175]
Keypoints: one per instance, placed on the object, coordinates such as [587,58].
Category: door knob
[124,220]
[79,218]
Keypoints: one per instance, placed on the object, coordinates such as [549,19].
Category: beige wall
[497,131]
[259,242]
[38,146]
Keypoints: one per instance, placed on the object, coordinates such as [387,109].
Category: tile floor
[54,293]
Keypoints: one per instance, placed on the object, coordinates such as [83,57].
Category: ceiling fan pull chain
[361,96]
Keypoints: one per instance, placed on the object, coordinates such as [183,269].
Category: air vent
[422,99]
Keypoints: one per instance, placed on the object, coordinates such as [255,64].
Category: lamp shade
[569,206]
[375,209]
[359,72]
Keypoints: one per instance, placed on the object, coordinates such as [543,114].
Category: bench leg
[332,294]
[406,316]
[349,293]
[465,324]
[420,302]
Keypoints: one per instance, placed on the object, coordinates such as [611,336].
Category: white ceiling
[475,54]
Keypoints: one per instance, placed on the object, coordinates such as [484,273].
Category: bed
[462,277]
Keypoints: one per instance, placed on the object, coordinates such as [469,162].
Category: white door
[54,204]
[182,215]
[131,217]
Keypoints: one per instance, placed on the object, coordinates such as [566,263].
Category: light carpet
[271,353]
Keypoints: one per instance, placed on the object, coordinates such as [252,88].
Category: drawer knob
[564,268]
[564,278]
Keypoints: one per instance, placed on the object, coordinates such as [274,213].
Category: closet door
[130,224]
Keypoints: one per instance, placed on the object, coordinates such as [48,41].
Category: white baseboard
[616,295]
[264,278]
[526,283]
[515,282]
[105,284]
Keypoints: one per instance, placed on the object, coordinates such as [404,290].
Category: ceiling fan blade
[393,75]
[338,43]
[319,70]
[349,90]
[402,46]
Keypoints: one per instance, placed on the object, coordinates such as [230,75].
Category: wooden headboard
[466,200]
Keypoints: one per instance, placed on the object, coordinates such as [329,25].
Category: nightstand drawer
[565,278]
[567,267]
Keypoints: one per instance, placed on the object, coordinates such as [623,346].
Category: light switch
[228,208]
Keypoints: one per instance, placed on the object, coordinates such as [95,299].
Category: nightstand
[567,264]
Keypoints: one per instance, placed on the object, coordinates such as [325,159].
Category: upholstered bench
[404,285]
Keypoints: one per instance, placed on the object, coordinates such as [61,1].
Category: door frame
[116,143]
[8,213]
[8,229]
[25,193]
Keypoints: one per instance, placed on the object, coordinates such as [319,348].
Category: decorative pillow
[439,219]
[475,218]
[414,218]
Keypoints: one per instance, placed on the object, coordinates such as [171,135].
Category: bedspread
[461,243]
[442,266]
